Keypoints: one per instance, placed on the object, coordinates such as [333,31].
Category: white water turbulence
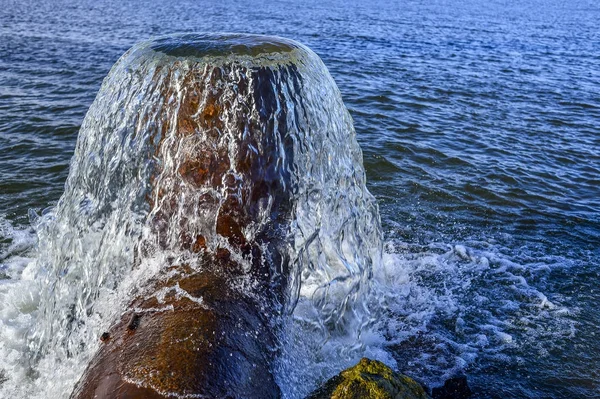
[159,157]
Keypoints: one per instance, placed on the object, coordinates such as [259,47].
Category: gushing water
[176,142]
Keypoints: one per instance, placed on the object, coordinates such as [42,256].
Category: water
[479,130]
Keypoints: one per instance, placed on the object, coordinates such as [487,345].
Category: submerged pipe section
[214,177]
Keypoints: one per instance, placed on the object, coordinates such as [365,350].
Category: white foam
[440,311]
[18,304]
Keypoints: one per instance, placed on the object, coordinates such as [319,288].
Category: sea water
[479,130]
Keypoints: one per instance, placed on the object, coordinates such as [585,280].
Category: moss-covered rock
[370,379]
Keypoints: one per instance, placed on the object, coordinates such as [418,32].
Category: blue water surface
[480,126]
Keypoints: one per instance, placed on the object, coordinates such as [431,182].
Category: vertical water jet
[214,175]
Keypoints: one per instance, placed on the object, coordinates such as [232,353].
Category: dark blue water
[480,126]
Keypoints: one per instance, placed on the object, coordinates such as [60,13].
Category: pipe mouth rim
[201,45]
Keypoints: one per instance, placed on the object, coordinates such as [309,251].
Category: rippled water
[479,125]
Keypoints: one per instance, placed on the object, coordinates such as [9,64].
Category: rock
[370,379]
[454,388]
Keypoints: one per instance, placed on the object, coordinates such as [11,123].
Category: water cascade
[216,180]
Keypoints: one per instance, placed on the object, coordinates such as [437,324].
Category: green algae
[370,379]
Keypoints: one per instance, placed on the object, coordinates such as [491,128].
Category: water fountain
[216,179]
